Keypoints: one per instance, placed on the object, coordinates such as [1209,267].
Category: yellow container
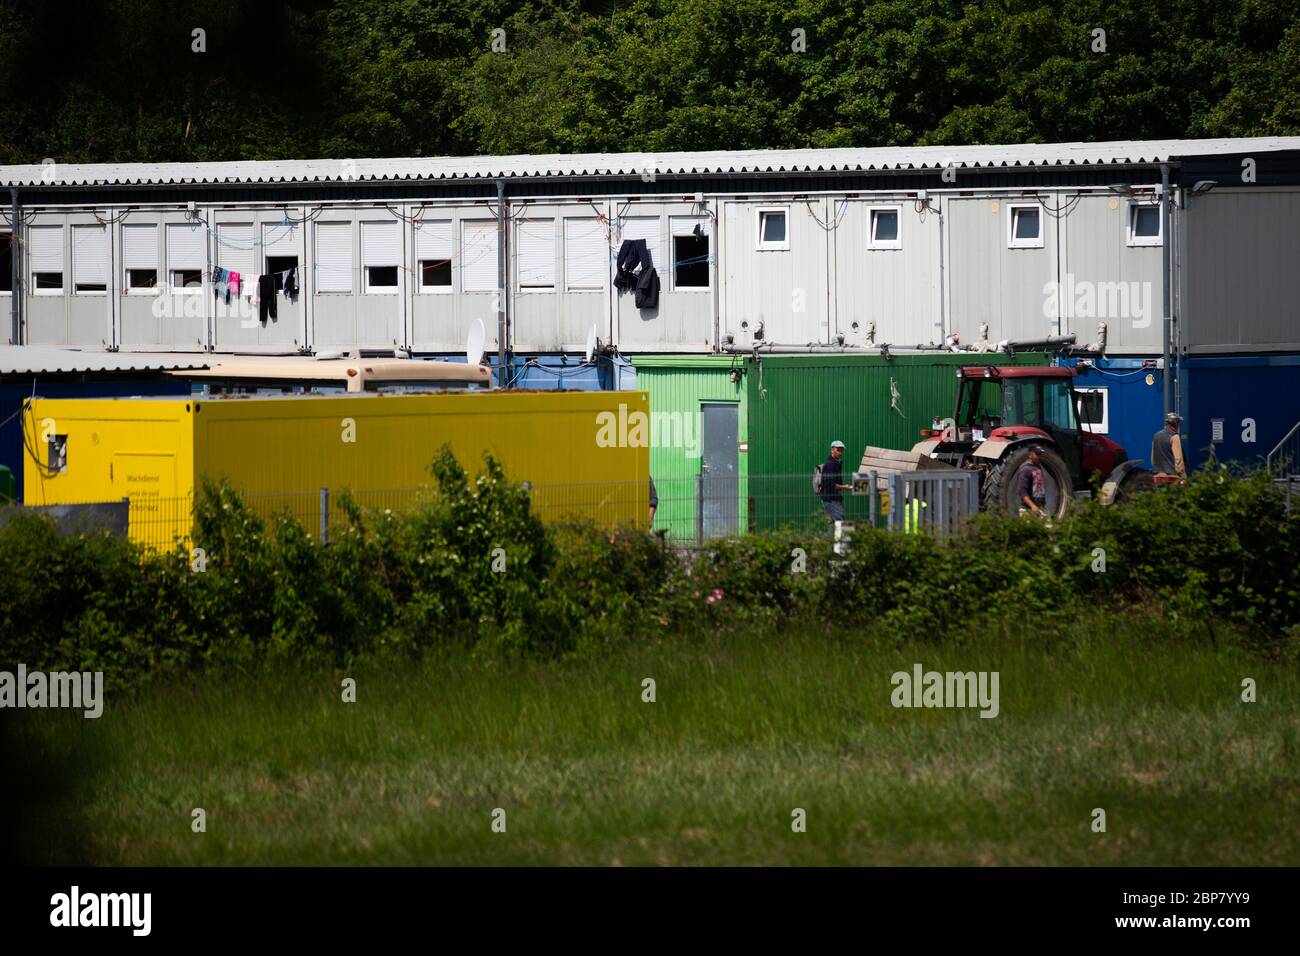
[576,449]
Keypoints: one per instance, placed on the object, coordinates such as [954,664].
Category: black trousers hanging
[266,298]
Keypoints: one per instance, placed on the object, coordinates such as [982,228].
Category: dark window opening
[278,265]
[142,278]
[187,278]
[691,262]
[435,273]
[48,280]
[382,277]
[91,287]
[1092,407]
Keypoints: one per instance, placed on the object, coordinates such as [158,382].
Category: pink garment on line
[234,282]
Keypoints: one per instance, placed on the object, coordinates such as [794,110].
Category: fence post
[873,499]
[699,509]
[895,486]
[324,516]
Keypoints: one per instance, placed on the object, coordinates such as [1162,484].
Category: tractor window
[1060,406]
[1020,402]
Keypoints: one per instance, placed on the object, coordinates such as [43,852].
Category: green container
[790,408]
[799,404]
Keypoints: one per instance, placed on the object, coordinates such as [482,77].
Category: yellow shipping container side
[157,452]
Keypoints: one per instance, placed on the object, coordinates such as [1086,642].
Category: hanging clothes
[631,254]
[234,282]
[221,283]
[289,282]
[266,298]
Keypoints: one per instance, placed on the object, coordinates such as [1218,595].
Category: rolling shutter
[536,253]
[235,249]
[89,255]
[140,246]
[685,225]
[279,239]
[381,244]
[433,240]
[647,228]
[334,257]
[586,254]
[186,246]
[478,256]
[46,248]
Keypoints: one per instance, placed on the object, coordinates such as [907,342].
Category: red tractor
[1001,412]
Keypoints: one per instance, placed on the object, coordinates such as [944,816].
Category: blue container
[1254,398]
[1128,407]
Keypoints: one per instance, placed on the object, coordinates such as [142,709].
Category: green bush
[472,566]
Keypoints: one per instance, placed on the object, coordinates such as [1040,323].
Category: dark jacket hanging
[266,298]
[633,253]
[291,284]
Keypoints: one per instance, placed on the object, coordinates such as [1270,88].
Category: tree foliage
[120,80]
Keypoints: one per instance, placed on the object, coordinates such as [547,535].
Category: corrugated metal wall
[799,404]
[1239,289]
[677,387]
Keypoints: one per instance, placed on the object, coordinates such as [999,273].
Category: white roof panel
[627,164]
[40,360]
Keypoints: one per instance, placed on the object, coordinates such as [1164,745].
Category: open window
[1094,409]
[140,258]
[773,229]
[433,254]
[1144,224]
[46,256]
[885,225]
[280,251]
[1025,226]
[381,255]
[89,260]
[187,256]
[690,253]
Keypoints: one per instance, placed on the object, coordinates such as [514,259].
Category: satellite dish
[474,344]
[591,345]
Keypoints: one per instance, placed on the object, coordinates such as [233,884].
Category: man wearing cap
[1031,494]
[1167,450]
[832,483]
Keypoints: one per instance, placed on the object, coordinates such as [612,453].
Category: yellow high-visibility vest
[912,515]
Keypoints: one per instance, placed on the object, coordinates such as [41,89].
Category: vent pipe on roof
[15,289]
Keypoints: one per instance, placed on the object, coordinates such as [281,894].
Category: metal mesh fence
[688,512]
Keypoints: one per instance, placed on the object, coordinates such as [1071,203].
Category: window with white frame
[280,251]
[140,258]
[690,252]
[1144,224]
[1024,226]
[333,257]
[187,256]
[381,255]
[478,255]
[1094,409]
[89,259]
[886,225]
[45,245]
[586,255]
[773,229]
[6,263]
[433,254]
[535,253]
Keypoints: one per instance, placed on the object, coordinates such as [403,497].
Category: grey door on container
[719,470]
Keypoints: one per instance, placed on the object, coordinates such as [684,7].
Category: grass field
[1149,729]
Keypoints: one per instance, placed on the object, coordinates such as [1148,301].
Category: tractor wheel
[999,493]
[1135,483]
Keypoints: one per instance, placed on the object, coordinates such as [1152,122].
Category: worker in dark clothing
[1031,492]
[832,483]
[654,502]
[1167,450]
